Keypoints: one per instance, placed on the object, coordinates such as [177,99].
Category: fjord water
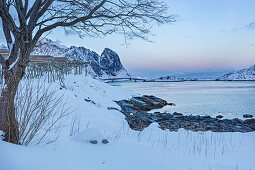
[231,99]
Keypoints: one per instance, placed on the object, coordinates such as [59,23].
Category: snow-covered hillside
[106,65]
[166,79]
[245,74]
[151,149]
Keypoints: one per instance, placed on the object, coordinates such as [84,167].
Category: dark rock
[138,118]
[142,103]
[93,141]
[200,129]
[238,120]
[252,126]
[249,121]
[155,117]
[208,120]
[195,117]
[247,116]
[219,116]
[105,141]
[180,116]
[166,115]
[177,114]
[226,121]
[141,114]
[172,119]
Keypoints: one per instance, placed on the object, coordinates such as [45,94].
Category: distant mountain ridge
[106,65]
[244,74]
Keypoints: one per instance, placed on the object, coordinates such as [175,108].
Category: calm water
[230,99]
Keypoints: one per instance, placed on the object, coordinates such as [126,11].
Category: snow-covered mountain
[245,74]
[48,47]
[106,65]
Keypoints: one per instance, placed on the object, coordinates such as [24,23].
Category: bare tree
[25,21]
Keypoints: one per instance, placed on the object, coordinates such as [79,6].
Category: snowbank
[151,149]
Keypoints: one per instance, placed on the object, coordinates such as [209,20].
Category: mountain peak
[110,62]
[46,41]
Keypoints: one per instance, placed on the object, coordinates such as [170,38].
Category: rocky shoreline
[136,112]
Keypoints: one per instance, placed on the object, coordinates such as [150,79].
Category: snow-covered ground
[152,149]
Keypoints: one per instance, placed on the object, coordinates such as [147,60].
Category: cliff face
[111,65]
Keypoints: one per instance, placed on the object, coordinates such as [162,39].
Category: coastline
[136,112]
[150,81]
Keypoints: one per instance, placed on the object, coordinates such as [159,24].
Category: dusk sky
[208,34]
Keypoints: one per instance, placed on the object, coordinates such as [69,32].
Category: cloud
[251,26]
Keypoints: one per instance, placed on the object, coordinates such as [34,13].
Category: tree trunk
[8,123]
[12,78]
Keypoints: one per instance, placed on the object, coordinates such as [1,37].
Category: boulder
[247,116]
[105,141]
[93,141]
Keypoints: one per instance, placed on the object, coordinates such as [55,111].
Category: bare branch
[7,18]
[2,60]
[66,24]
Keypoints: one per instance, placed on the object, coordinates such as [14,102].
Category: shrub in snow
[39,111]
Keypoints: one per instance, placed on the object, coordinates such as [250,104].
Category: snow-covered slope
[245,74]
[166,79]
[151,149]
[105,66]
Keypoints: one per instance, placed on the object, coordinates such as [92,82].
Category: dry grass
[40,112]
